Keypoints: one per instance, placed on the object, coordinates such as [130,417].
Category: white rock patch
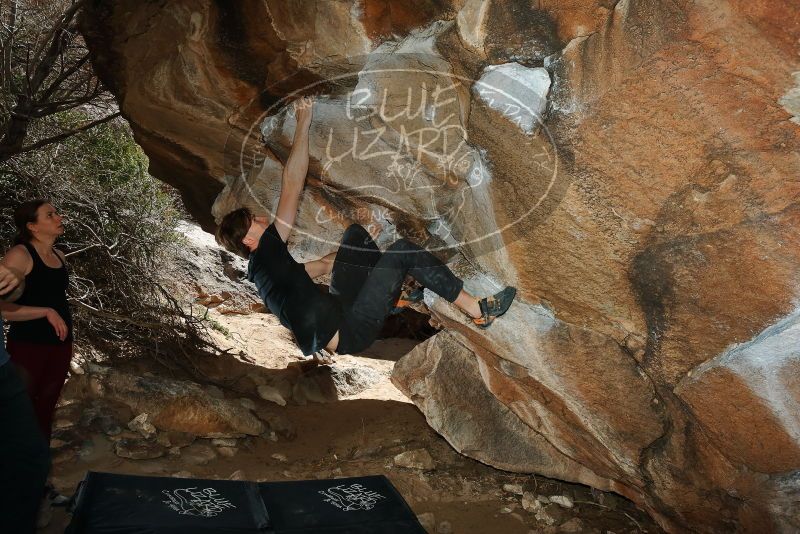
[791,100]
[519,93]
[765,363]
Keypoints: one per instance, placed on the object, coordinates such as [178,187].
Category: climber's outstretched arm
[294,173]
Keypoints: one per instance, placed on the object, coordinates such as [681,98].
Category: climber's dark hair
[26,213]
[232,229]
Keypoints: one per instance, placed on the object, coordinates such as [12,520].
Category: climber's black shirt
[288,291]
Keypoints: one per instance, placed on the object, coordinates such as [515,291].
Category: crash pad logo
[351,498]
[205,502]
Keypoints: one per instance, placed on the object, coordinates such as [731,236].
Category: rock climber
[365,284]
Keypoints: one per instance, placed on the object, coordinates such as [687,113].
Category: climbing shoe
[408,297]
[494,306]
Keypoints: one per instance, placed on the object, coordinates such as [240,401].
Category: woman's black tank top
[47,287]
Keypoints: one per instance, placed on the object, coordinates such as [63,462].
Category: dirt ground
[354,436]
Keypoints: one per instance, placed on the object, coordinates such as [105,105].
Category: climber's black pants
[368,283]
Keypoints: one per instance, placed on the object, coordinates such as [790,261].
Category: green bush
[119,235]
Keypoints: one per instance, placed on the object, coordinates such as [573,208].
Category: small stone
[182,474]
[227,452]
[57,443]
[562,500]
[516,489]
[287,474]
[237,475]
[543,499]
[416,459]
[142,425]
[198,454]
[75,368]
[247,403]
[573,525]
[271,394]
[138,450]
[543,516]
[444,528]
[428,521]
[280,457]
[63,423]
[506,510]
[273,437]
[224,442]
[530,503]
[550,514]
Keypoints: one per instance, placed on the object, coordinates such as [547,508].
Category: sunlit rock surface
[645,204]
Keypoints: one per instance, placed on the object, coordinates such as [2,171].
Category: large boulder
[173,405]
[630,166]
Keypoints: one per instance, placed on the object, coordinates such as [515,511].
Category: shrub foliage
[119,236]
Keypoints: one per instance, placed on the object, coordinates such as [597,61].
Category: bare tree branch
[46,71]
[7,44]
[59,137]
[65,73]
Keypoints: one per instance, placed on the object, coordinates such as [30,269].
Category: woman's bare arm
[15,312]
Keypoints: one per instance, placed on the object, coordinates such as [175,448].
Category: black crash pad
[362,505]
[108,503]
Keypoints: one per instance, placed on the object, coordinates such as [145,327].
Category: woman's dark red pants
[44,369]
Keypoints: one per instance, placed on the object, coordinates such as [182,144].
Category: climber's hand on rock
[303,109]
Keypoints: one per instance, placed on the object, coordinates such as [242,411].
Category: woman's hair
[233,228]
[27,212]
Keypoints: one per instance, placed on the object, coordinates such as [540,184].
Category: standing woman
[40,335]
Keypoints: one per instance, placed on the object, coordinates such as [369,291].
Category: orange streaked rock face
[650,222]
